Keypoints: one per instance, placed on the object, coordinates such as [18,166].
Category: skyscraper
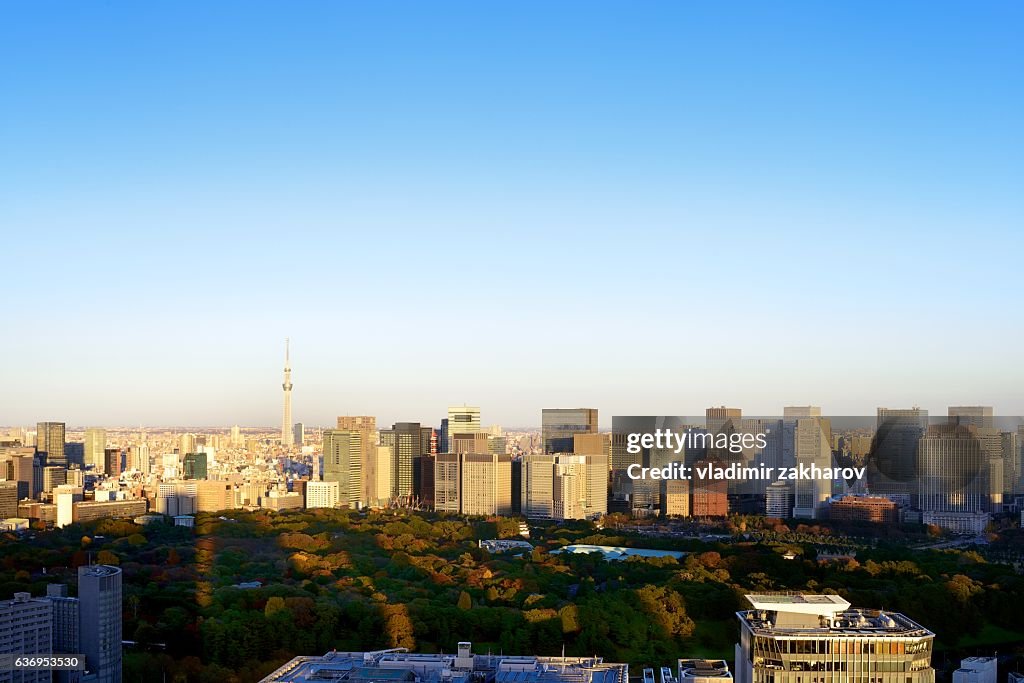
[343,463]
[979,416]
[287,436]
[8,499]
[892,462]
[537,486]
[486,484]
[194,466]
[407,443]
[95,442]
[559,425]
[716,419]
[99,597]
[463,419]
[50,442]
[366,425]
[473,483]
[953,472]
[579,486]
[812,447]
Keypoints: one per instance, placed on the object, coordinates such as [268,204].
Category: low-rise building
[398,665]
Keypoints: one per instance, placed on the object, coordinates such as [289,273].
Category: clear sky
[646,208]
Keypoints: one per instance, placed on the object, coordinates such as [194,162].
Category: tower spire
[287,435]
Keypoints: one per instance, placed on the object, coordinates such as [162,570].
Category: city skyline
[631,206]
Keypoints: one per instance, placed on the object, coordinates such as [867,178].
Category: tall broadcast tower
[287,436]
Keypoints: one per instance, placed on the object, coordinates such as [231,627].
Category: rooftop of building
[703,668]
[618,552]
[98,570]
[808,615]
[463,667]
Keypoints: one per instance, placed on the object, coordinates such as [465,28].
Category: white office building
[807,638]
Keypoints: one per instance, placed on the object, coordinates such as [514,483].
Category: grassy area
[713,640]
[990,636]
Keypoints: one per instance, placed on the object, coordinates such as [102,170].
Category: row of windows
[842,647]
[798,665]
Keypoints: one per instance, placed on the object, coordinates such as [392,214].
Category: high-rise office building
[99,598]
[23,471]
[138,458]
[719,419]
[408,440]
[447,482]
[497,444]
[366,425]
[563,486]
[287,436]
[979,416]
[26,627]
[8,499]
[343,463]
[473,483]
[1013,466]
[469,442]
[65,623]
[194,466]
[579,486]
[298,434]
[813,448]
[559,425]
[50,442]
[710,497]
[380,493]
[112,462]
[592,443]
[186,444]
[463,419]
[95,443]
[442,437]
[486,484]
[537,487]
[53,476]
[805,638]
[953,477]
[892,462]
[794,412]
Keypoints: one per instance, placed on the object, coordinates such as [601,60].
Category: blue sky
[644,207]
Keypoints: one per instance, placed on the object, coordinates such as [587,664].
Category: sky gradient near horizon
[648,208]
